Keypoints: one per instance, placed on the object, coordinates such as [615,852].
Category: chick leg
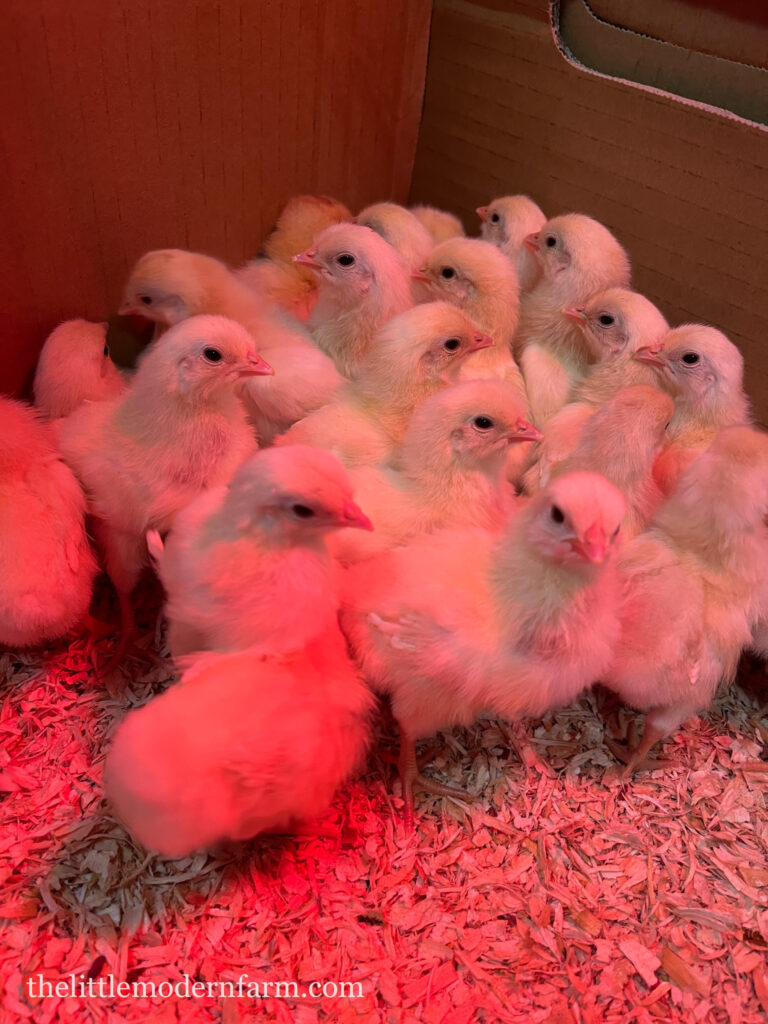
[127,635]
[410,775]
[659,723]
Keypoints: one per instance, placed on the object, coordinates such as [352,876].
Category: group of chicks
[473,474]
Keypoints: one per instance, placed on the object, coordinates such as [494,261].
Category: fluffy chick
[179,429]
[363,283]
[243,744]
[74,367]
[440,224]
[451,470]
[577,257]
[479,279]
[412,356]
[615,324]
[704,372]
[506,222]
[169,285]
[465,621]
[46,563]
[276,276]
[401,229]
[690,584]
[621,441]
[247,564]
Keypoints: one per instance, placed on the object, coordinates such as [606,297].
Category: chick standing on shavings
[47,567]
[247,564]
[179,429]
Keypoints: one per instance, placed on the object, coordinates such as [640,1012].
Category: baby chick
[412,356]
[704,373]
[450,470]
[465,621]
[276,276]
[179,429]
[440,224]
[247,564]
[577,257]
[480,280]
[243,744]
[506,222]
[615,323]
[46,563]
[169,285]
[363,284]
[621,441]
[698,568]
[74,367]
[401,229]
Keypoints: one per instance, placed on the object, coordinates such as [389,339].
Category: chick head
[462,268]
[300,221]
[201,356]
[349,257]
[575,521]
[617,320]
[430,341]
[470,424]
[399,227]
[507,220]
[294,493]
[698,364]
[169,285]
[581,248]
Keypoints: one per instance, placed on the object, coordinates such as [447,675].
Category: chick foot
[410,776]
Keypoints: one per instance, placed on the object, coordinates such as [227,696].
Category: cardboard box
[144,125]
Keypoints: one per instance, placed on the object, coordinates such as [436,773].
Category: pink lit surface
[562,894]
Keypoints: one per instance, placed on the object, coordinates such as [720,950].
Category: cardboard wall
[683,186]
[137,124]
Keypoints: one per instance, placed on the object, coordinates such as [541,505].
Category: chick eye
[557,514]
[691,358]
[483,422]
[550,241]
[606,319]
[452,344]
[616,532]
[212,355]
[146,299]
[106,350]
[346,259]
[302,511]
[495,218]
[448,273]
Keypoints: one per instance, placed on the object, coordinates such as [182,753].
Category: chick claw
[393,630]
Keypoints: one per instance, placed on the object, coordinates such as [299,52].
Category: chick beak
[524,431]
[127,308]
[650,356]
[532,242]
[480,340]
[307,259]
[420,275]
[593,546]
[482,213]
[578,316]
[354,517]
[255,367]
